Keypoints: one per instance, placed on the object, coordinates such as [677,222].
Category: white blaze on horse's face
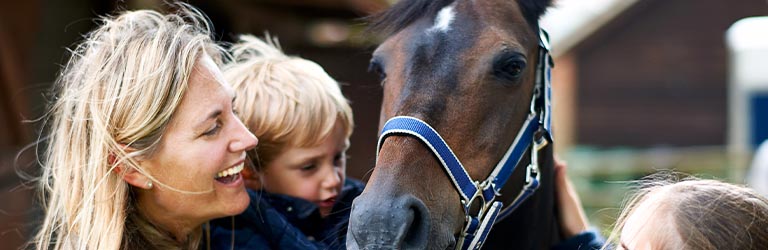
[444,19]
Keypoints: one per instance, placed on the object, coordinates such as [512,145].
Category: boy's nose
[332,179]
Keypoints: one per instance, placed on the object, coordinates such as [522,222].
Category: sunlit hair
[284,100]
[702,214]
[119,89]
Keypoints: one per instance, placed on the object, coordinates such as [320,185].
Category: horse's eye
[375,67]
[515,67]
[510,67]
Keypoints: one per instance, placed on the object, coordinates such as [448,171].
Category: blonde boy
[303,123]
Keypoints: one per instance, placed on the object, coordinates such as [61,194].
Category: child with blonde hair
[300,196]
[143,146]
[666,213]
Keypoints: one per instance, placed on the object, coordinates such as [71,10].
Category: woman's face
[315,174]
[204,140]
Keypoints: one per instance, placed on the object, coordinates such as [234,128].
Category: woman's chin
[236,202]
[240,203]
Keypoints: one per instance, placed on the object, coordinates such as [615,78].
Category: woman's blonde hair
[702,214]
[118,90]
[284,100]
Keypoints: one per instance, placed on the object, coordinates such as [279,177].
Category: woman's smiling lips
[231,176]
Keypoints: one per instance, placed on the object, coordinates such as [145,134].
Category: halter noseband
[534,134]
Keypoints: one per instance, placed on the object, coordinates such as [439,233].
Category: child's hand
[570,213]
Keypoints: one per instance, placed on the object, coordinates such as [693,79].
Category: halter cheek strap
[478,226]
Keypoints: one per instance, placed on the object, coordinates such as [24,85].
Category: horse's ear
[533,9]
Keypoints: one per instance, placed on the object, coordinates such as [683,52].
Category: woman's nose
[244,139]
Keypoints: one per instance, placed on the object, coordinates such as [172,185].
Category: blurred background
[640,85]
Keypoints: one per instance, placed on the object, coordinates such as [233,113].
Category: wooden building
[643,86]
[653,74]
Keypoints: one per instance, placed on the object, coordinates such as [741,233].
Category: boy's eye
[337,160]
[307,167]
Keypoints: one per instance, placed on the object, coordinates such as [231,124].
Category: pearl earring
[149,184]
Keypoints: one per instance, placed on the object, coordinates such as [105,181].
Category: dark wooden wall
[657,75]
[17,31]
[34,35]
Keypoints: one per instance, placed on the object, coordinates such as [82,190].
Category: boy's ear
[252,178]
[130,175]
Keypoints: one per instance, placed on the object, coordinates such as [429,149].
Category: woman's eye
[215,129]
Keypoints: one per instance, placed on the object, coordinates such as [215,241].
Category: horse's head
[467,68]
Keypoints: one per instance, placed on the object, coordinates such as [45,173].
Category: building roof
[570,22]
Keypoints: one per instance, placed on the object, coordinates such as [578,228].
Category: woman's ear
[130,174]
[136,178]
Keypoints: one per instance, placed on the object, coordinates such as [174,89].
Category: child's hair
[699,214]
[119,89]
[283,100]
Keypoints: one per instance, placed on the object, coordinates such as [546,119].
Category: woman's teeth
[230,171]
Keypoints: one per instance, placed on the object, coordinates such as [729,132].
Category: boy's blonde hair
[699,214]
[284,100]
[119,89]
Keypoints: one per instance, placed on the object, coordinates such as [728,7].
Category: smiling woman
[143,146]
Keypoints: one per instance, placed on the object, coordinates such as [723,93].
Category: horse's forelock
[402,14]
[405,12]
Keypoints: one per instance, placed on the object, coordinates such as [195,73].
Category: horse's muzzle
[388,223]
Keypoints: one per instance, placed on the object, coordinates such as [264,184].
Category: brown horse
[467,68]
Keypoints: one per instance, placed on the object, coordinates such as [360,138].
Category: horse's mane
[402,14]
[405,12]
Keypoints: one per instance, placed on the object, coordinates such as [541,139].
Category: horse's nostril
[414,235]
[394,223]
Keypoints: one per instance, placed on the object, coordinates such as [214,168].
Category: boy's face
[315,173]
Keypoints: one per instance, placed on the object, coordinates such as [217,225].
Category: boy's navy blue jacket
[274,221]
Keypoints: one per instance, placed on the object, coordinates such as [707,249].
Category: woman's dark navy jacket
[274,221]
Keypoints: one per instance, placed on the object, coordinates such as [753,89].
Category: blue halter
[539,120]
